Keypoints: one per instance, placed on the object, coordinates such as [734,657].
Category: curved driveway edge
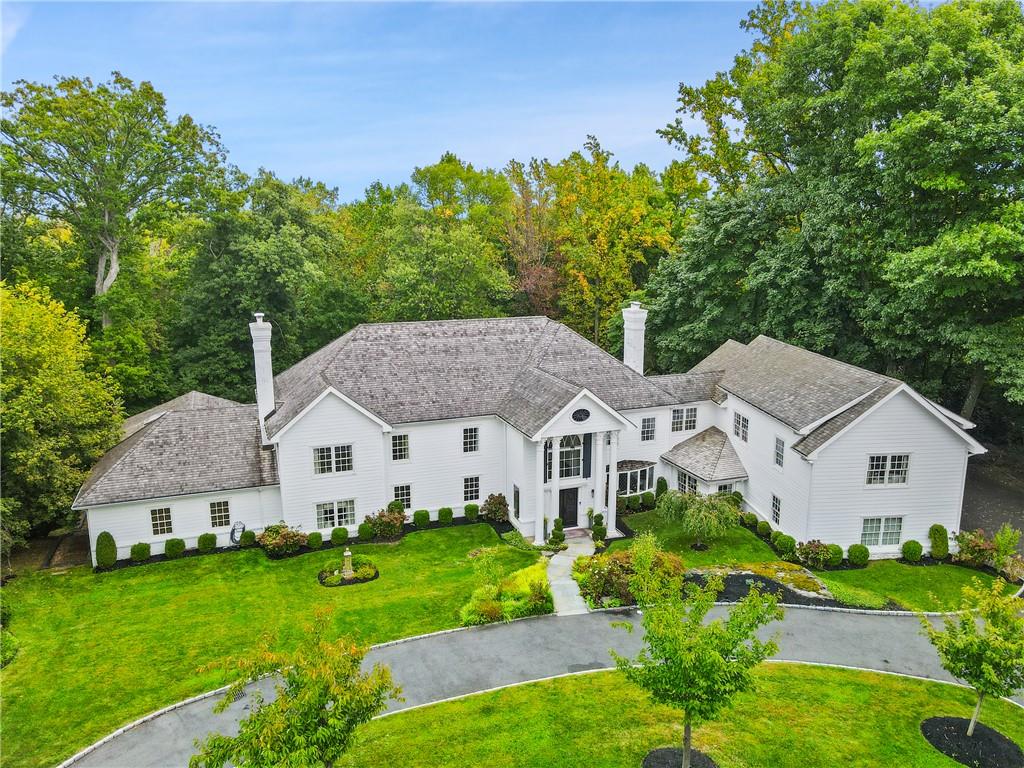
[452,664]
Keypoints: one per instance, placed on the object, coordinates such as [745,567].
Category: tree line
[855,188]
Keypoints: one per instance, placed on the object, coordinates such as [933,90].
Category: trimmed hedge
[764,528]
[365,531]
[174,548]
[339,536]
[140,552]
[106,550]
[396,505]
[647,500]
[315,540]
[660,487]
[247,539]
[912,551]
[786,545]
[633,503]
[557,534]
[421,518]
[445,515]
[858,554]
[773,537]
[749,519]
[835,554]
[472,511]
[938,536]
[207,542]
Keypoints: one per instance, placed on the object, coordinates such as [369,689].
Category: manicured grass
[916,587]
[798,717]
[738,546]
[99,650]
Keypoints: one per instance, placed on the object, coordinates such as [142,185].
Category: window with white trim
[332,458]
[647,428]
[470,439]
[471,488]
[740,426]
[888,469]
[686,482]
[570,456]
[325,515]
[684,419]
[634,481]
[725,488]
[346,512]
[780,451]
[220,514]
[885,531]
[776,509]
[403,493]
[399,447]
[690,422]
[161,519]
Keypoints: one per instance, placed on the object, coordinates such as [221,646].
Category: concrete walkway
[564,588]
[440,666]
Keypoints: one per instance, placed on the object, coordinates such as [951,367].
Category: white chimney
[634,318]
[264,369]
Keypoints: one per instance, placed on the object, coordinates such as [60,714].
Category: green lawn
[738,546]
[799,717]
[99,650]
[918,588]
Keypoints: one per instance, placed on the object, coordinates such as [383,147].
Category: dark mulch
[737,586]
[699,546]
[672,757]
[324,574]
[987,748]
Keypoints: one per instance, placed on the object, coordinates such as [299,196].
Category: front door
[568,501]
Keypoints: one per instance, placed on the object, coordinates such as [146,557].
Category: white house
[442,414]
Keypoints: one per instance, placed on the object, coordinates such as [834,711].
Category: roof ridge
[603,351]
[834,360]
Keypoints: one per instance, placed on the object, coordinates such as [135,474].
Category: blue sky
[350,93]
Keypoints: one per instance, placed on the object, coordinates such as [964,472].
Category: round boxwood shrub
[106,550]
[764,529]
[207,542]
[938,537]
[633,503]
[858,554]
[647,500]
[421,518]
[660,487]
[174,548]
[339,536]
[445,515]
[912,551]
[247,539]
[397,506]
[140,552]
[749,519]
[365,531]
[472,511]
[773,537]
[786,545]
[315,540]
[557,534]
[835,554]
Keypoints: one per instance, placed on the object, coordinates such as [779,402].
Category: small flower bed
[604,578]
[523,593]
[363,570]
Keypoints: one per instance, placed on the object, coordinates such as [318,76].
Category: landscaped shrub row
[977,550]
[812,554]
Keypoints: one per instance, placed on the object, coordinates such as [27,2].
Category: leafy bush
[786,547]
[704,518]
[339,536]
[749,519]
[730,499]
[912,551]
[140,552]
[858,554]
[106,550]
[938,536]
[598,519]
[207,542]
[605,578]
[647,500]
[365,531]
[495,508]
[599,533]
[523,593]
[174,548]
[813,553]
[773,537]
[386,524]
[315,540]
[445,515]
[557,534]
[279,539]
[974,548]
[660,487]
[471,511]
[835,555]
[737,498]
[1004,544]
[396,505]
[421,518]
[671,506]
[764,529]
[247,539]
[620,504]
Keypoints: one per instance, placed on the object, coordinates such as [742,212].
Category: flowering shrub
[974,547]
[279,539]
[495,508]
[386,524]
[605,578]
[813,554]
[523,593]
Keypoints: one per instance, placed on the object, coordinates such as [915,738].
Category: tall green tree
[56,417]
[454,191]
[530,235]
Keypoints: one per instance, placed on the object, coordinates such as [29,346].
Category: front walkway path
[564,588]
[437,667]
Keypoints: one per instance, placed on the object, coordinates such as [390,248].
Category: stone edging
[827,608]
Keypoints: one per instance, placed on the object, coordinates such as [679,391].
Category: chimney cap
[258,316]
[634,305]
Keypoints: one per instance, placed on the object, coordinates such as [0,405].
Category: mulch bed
[672,757]
[737,586]
[324,574]
[987,748]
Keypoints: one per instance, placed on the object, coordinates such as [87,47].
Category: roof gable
[708,455]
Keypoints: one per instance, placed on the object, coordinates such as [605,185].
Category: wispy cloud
[12,19]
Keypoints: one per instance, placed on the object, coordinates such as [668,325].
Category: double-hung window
[333,458]
[220,514]
[725,488]
[740,426]
[403,493]
[647,428]
[776,509]
[399,447]
[881,530]
[888,469]
[780,451]
[336,513]
[570,456]
[686,482]
[471,488]
[684,419]
[470,439]
[161,519]
[346,512]
[325,515]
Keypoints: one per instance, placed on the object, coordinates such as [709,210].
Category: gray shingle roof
[190,401]
[519,368]
[689,387]
[708,455]
[181,452]
[829,429]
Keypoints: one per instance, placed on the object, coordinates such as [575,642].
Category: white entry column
[598,470]
[538,494]
[613,481]
[556,472]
